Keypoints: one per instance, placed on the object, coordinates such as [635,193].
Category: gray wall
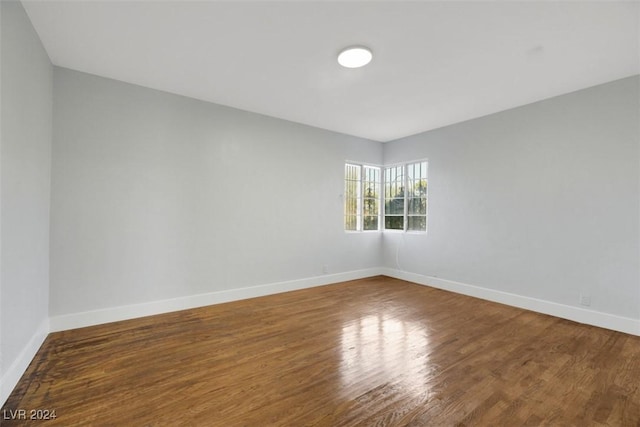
[156,196]
[25,159]
[541,201]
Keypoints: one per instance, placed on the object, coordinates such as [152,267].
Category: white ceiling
[435,63]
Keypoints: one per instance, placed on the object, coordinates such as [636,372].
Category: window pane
[350,223]
[370,222]
[417,206]
[417,171]
[351,191]
[417,223]
[352,173]
[371,207]
[394,222]
[371,182]
[416,189]
[420,188]
[371,190]
[394,206]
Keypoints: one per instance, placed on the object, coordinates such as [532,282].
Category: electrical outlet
[325,269]
[585,299]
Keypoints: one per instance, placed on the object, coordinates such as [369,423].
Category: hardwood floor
[372,352]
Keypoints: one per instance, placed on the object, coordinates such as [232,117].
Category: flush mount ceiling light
[355,57]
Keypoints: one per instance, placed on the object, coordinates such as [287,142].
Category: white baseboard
[577,314]
[13,374]
[114,314]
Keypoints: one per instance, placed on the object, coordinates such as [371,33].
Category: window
[405,197]
[361,197]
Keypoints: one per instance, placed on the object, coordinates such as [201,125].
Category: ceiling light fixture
[355,57]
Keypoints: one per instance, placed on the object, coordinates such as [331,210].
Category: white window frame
[405,184]
[360,215]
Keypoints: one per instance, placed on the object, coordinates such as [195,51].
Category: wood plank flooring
[371,352]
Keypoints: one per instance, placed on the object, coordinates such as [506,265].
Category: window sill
[418,233]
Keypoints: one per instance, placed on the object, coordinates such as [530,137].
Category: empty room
[319,213]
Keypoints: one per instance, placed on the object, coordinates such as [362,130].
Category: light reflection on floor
[394,350]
